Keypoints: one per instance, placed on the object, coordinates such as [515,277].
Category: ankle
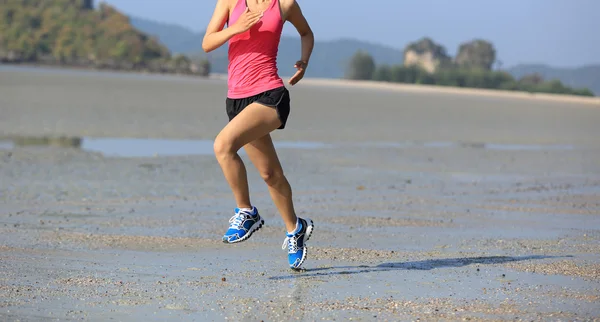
[295,228]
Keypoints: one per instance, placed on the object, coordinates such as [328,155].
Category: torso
[253,54]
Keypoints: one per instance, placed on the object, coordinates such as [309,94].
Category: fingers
[299,74]
[251,23]
[250,19]
[296,78]
[292,80]
[254,17]
[253,14]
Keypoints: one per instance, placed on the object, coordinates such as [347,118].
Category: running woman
[258,103]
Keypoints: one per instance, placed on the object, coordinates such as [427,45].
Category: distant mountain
[177,38]
[582,77]
[328,60]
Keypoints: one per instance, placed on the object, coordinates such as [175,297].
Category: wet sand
[426,206]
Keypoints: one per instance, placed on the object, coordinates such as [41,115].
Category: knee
[272,177]
[222,147]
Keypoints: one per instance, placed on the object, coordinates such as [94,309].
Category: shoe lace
[292,244]
[237,220]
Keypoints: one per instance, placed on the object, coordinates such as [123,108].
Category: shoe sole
[309,230]
[257,225]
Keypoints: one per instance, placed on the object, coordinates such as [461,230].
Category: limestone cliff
[426,54]
[477,53]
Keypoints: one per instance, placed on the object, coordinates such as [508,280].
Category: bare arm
[307,40]
[216,36]
[296,17]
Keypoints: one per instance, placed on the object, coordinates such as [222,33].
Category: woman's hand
[246,21]
[301,66]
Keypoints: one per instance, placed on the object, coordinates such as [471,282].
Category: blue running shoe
[296,243]
[242,225]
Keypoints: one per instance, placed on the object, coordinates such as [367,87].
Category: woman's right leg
[253,122]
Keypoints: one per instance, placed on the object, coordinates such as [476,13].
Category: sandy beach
[428,204]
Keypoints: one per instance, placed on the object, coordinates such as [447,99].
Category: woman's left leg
[264,157]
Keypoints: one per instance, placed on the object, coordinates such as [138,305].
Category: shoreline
[436,89]
[137,71]
[346,83]
[464,91]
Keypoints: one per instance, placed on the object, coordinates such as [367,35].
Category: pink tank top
[253,54]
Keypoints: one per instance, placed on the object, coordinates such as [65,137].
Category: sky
[561,33]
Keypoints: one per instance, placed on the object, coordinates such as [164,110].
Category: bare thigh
[255,121]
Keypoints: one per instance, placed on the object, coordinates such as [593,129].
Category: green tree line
[363,67]
[73,32]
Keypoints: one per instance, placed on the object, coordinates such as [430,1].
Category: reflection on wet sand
[61,141]
[136,147]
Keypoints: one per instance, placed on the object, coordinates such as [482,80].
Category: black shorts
[278,98]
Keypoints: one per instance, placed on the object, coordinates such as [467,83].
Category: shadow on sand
[415,265]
